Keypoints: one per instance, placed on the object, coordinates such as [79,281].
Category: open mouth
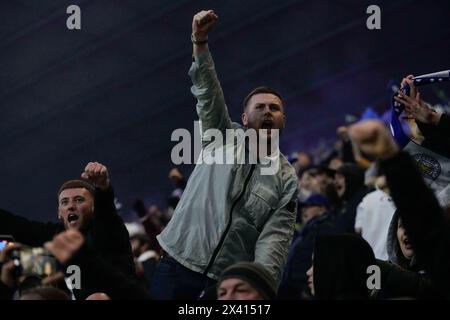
[407,243]
[267,124]
[72,218]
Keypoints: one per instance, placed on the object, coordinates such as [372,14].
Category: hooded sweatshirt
[353,195]
[340,267]
[402,278]
[425,222]
[393,248]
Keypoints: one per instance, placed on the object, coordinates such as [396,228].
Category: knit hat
[254,274]
[315,200]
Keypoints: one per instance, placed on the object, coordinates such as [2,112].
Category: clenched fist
[65,245]
[202,24]
[374,139]
[97,173]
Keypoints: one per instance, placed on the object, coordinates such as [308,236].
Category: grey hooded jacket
[393,248]
[230,212]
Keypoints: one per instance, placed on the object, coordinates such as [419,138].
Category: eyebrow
[75,197]
[240,284]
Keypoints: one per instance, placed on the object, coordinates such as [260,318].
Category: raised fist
[374,139]
[97,173]
[65,245]
[202,24]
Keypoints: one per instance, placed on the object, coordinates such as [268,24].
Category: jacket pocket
[260,205]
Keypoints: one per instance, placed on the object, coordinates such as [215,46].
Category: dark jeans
[173,281]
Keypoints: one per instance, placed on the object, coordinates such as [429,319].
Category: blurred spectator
[374,214]
[44,293]
[146,258]
[399,247]
[335,163]
[314,180]
[98,296]
[305,185]
[402,277]
[303,160]
[339,268]
[151,221]
[315,206]
[320,179]
[318,221]
[8,281]
[370,176]
[246,281]
[180,184]
[349,184]
[71,248]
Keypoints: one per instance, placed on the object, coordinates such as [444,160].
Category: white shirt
[373,216]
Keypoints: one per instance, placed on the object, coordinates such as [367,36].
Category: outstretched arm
[111,235]
[419,209]
[28,232]
[211,108]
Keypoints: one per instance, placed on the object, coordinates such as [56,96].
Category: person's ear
[244,119]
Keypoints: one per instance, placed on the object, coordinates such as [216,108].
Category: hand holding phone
[5,240]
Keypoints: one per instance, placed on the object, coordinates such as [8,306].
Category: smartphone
[5,240]
[35,261]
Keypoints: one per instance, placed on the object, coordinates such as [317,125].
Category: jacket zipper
[222,239]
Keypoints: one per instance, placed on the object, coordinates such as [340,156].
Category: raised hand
[202,24]
[418,109]
[65,245]
[409,80]
[97,173]
[374,139]
[7,269]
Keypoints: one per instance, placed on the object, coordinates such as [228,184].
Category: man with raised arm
[229,212]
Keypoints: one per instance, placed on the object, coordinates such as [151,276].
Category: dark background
[115,90]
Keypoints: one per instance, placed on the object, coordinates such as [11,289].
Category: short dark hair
[259,90]
[77,183]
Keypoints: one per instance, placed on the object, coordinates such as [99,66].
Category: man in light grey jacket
[228,212]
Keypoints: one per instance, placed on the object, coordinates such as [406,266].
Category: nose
[267,110]
[71,206]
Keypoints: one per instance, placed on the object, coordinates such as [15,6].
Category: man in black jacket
[86,205]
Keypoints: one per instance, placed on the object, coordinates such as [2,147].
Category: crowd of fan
[367,204]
